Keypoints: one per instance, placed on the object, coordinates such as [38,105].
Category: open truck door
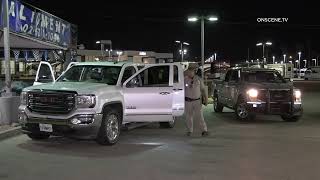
[162,94]
[44,74]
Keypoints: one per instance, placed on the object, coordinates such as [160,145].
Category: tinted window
[94,74]
[227,77]
[175,74]
[128,72]
[157,76]
[235,76]
[45,74]
[263,76]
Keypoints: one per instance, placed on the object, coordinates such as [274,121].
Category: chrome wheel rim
[112,127]
[242,111]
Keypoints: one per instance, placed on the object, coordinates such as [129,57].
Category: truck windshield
[94,74]
[263,76]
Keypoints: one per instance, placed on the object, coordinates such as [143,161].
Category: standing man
[194,92]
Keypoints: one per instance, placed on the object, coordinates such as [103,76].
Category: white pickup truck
[92,100]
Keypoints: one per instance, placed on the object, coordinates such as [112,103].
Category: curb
[10,133]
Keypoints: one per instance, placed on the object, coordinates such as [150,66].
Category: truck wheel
[38,136]
[289,118]
[217,106]
[242,111]
[110,128]
[169,124]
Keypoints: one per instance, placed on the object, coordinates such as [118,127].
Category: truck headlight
[297,96]
[253,93]
[86,101]
[23,98]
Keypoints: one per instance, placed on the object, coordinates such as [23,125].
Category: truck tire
[242,112]
[169,124]
[217,106]
[110,128]
[290,118]
[38,136]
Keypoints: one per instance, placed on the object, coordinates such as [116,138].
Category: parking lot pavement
[264,149]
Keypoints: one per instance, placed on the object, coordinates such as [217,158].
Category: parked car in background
[312,73]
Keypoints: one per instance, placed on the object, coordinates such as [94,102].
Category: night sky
[155,25]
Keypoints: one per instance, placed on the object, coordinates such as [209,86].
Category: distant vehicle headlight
[297,93]
[297,96]
[253,93]
[23,98]
[86,101]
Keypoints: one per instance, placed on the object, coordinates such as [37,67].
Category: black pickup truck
[251,91]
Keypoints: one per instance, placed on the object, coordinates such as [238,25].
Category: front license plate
[46,127]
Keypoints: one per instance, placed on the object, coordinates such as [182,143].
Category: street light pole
[273,58]
[202,46]
[263,51]
[263,46]
[202,19]
[181,48]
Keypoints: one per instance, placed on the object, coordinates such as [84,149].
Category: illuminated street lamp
[299,53]
[263,45]
[181,47]
[103,43]
[284,58]
[273,59]
[119,53]
[184,51]
[109,52]
[202,18]
[297,65]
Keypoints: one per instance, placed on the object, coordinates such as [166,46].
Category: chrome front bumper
[276,108]
[79,124]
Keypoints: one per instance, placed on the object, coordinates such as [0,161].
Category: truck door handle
[164,93]
[177,89]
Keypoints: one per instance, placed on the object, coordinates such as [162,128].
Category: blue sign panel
[30,21]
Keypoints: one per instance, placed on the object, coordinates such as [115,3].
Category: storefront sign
[32,22]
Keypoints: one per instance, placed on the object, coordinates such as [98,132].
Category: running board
[131,126]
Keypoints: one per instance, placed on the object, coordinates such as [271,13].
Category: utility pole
[248,54]
[202,47]
[6,46]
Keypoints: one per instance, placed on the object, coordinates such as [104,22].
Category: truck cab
[251,91]
[92,100]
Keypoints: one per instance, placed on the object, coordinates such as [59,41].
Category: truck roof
[104,63]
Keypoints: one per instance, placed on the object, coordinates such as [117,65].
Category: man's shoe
[205,133]
[189,133]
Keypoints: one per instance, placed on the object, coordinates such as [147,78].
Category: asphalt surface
[265,149]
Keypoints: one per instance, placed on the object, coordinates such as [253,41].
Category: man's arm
[204,92]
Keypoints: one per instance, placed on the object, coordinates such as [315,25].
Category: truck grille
[280,96]
[51,102]
[274,95]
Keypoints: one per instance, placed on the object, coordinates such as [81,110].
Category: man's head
[191,71]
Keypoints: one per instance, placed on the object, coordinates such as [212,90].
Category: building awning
[18,41]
